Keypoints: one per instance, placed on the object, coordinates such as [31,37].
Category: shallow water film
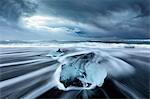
[75,70]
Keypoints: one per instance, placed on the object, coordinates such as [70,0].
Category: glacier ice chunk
[81,71]
[55,54]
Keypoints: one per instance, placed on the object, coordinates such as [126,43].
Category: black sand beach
[23,70]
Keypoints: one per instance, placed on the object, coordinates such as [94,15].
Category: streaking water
[74,70]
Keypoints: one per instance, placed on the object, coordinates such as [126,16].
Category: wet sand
[25,69]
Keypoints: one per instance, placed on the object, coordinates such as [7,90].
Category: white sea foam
[81,44]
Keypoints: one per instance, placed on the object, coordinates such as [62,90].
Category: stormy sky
[74,19]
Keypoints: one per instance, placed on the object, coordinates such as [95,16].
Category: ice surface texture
[89,68]
[83,68]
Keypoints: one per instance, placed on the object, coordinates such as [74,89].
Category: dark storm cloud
[95,7]
[120,18]
[11,10]
[86,18]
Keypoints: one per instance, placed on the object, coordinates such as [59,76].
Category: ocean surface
[74,69]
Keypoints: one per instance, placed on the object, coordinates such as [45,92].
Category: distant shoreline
[146,41]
